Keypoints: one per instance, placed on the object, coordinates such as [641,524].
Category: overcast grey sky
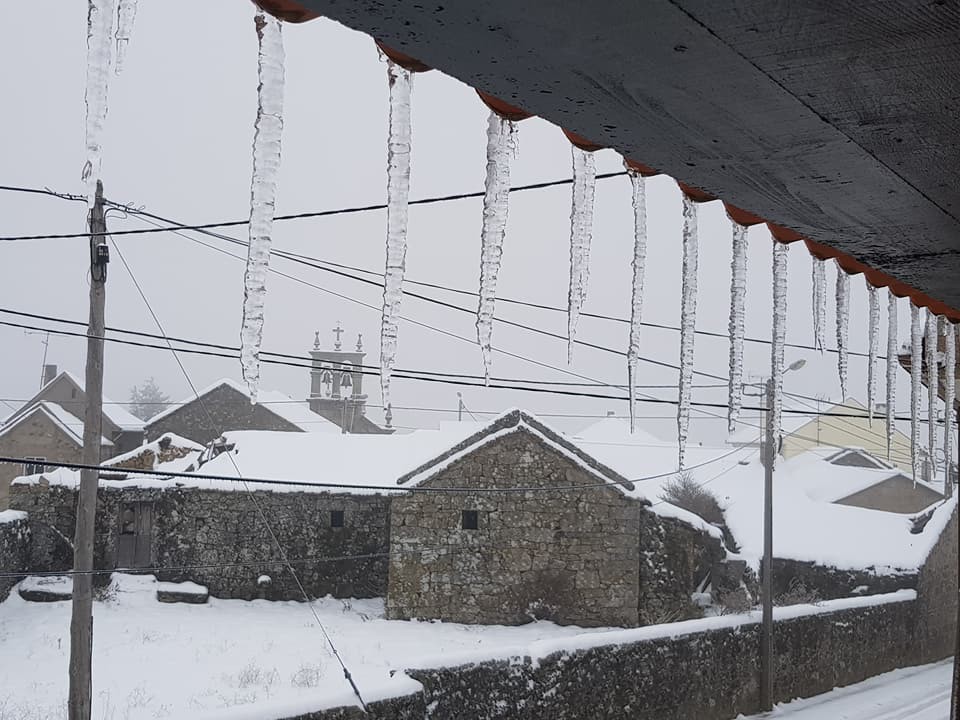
[178,141]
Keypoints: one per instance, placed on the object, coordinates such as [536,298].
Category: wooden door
[135,535]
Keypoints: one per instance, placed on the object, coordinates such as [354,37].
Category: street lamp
[766,627]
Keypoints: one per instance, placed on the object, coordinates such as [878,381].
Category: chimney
[611,413]
[49,373]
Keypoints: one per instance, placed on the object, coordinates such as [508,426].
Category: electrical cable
[297,216]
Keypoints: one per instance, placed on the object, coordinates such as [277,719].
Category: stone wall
[14,548]
[674,559]
[829,583]
[568,556]
[222,409]
[670,673]
[197,532]
[937,593]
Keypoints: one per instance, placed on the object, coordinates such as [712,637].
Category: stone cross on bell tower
[336,380]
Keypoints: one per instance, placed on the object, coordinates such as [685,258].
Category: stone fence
[705,669]
[14,548]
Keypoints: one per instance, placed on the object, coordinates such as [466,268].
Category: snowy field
[921,693]
[228,659]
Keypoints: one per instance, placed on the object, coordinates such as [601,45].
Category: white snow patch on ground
[229,658]
[918,693]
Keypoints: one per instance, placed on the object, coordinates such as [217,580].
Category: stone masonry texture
[196,531]
[222,409]
[14,552]
[589,557]
[708,675]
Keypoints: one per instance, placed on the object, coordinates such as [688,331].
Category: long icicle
[581,234]
[843,320]
[736,324]
[933,389]
[398,193]
[873,295]
[268,129]
[99,43]
[891,368]
[688,321]
[639,186]
[916,367]
[126,14]
[949,399]
[818,271]
[779,335]
[501,146]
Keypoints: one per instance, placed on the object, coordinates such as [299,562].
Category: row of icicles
[501,148]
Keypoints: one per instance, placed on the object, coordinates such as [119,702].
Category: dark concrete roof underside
[838,119]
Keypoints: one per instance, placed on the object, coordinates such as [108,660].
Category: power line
[444,380]
[294,216]
[233,348]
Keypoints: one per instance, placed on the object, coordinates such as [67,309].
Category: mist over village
[468,361]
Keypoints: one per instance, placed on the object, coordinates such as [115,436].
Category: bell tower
[336,381]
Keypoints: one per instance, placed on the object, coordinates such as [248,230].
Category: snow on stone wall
[706,669]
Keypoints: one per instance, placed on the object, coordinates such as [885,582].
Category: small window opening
[336,518]
[470,520]
[128,521]
[34,466]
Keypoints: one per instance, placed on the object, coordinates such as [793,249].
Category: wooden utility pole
[81,621]
[766,627]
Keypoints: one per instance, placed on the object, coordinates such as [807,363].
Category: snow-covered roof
[615,429]
[512,421]
[808,526]
[114,412]
[69,424]
[295,412]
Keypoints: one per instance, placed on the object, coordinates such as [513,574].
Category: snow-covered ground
[228,659]
[920,693]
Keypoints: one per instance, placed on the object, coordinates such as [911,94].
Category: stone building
[225,405]
[336,403]
[511,543]
[49,426]
[533,527]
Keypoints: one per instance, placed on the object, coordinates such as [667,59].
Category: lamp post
[766,627]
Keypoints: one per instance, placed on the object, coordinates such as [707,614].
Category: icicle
[581,233]
[843,320]
[99,34]
[779,335]
[891,368]
[501,145]
[263,193]
[738,296]
[398,191]
[916,366]
[819,277]
[688,320]
[639,184]
[949,398]
[874,344]
[126,14]
[933,389]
